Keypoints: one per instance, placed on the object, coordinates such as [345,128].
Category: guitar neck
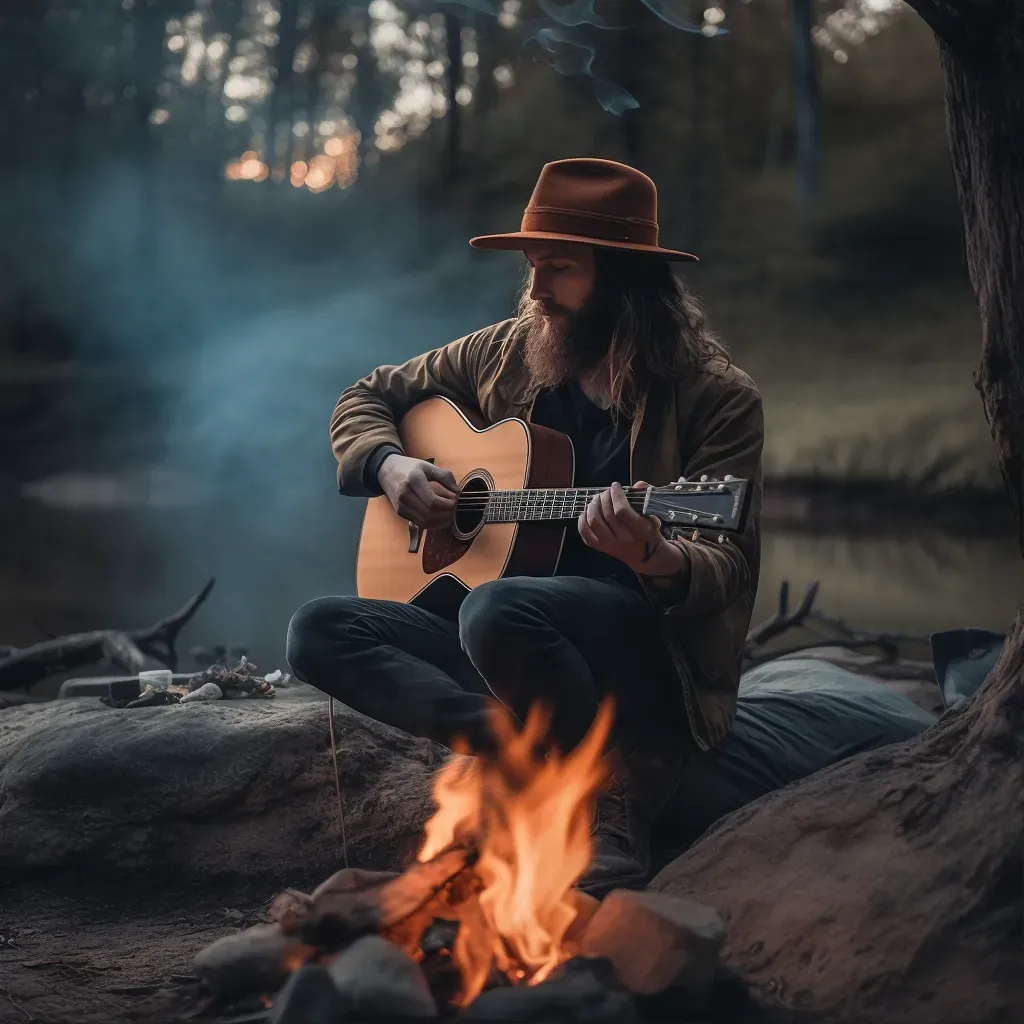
[714,504]
[556,505]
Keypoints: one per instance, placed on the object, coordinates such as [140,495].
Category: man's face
[562,278]
[570,320]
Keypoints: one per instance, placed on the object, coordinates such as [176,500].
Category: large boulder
[240,787]
[883,888]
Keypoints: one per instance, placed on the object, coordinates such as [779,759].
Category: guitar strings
[510,498]
[566,495]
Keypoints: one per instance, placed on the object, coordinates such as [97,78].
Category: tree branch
[129,649]
[782,621]
[832,632]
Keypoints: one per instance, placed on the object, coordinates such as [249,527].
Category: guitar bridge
[415,536]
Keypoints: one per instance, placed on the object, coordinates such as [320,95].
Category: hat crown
[597,188]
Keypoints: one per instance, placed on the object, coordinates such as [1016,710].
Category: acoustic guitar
[516,500]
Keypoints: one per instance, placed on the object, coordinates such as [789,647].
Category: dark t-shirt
[602,457]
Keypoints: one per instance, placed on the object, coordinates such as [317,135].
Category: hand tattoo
[649,550]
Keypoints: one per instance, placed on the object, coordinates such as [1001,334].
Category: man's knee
[313,628]
[495,619]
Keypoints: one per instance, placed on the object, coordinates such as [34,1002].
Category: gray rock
[241,788]
[309,998]
[377,981]
[581,992]
[656,942]
[251,961]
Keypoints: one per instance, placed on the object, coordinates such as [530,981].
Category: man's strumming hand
[419,491]
[609,524]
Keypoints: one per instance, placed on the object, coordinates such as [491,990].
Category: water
[66,569]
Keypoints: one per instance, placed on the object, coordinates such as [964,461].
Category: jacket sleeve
[716,574]
[368,412]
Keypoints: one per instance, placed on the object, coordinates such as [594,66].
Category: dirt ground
[94,951]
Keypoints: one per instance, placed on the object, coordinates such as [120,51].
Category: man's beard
[559,351]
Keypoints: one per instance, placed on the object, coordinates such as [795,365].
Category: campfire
[527,817]
[488,912]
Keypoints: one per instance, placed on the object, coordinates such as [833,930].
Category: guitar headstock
[709,504]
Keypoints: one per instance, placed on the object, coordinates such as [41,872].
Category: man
[609,348]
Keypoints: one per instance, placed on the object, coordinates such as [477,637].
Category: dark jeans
[565,640]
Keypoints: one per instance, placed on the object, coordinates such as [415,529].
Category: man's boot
[621,831]
[620,844]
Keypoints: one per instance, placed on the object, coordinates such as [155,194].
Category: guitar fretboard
[555,505]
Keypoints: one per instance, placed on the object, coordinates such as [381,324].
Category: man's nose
[538,288]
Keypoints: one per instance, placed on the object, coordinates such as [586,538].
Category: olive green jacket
[711,423]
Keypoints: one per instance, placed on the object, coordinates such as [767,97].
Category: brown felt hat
[596,202]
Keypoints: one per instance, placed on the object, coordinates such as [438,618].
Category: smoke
[568,48]
[569,56]
[577,12]
[673,14]
[219,336]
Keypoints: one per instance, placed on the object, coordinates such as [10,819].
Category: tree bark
[890,887]
[985,119]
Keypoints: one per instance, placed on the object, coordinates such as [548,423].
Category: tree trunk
[985,118]
[282,99]
[632,53]
[808,103]
[453,79]
[890,888]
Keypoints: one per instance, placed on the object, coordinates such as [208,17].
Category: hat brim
[514,240]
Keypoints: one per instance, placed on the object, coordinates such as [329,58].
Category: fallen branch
[833,632]
[128,649]
[783,620]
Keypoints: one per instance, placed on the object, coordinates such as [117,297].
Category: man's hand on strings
[419,491]
[610,525]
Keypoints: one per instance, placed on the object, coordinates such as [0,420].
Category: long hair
[652,327]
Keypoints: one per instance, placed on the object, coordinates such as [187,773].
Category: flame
[529,817]
[297,956]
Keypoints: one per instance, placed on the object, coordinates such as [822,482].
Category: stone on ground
[309,997]
[655,942]
[250,961]
[378,981]
[581,992]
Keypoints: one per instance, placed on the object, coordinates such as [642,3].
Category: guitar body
[437,568]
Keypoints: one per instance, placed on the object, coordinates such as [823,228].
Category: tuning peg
[729,476]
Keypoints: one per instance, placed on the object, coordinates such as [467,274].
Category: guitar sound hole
[469,512]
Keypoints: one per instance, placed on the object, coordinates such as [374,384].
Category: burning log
[404,904]
[129,648]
